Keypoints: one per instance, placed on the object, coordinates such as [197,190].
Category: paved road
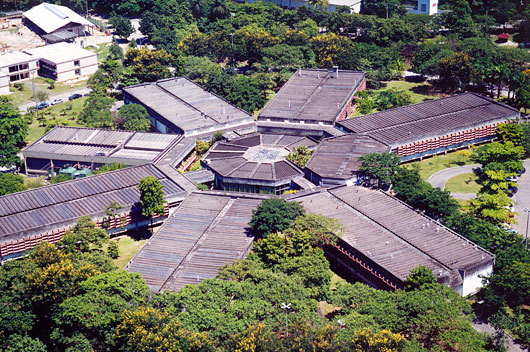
[522,199]
[484,327]
[439,179]
[64,96]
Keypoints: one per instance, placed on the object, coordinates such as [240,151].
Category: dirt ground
[22,38]
[19,38]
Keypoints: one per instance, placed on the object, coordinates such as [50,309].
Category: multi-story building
[16,66]
[64,61]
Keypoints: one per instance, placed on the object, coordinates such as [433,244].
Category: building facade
[435,126]
[65,61]
[16,66]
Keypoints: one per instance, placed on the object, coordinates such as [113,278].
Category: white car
[57,101]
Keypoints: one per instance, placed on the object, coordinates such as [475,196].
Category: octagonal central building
[255,164]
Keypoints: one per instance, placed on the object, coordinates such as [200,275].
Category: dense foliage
[13,131]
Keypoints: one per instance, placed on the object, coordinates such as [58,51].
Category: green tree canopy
[11,183]
[122,26]
[134,118]
[274,215]
[13,131]
[151,196]
[380,166]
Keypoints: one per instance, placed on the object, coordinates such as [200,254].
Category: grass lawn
[102,50]
[429,166]
[34,182]
[56,114]
[465,183]
[196,166]
[128,248]
[418,91]
[25,96]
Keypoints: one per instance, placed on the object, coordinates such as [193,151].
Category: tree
[151,65]
[273,215]
[410,188]
[510,132]
[112,250]
[497,153]
[134,117]
[10,183]
[300,155]
[366,340]
[151,196]
[84,235]
[419,278]
[456,71]
[122,26]
[380,166]
[392,98]
[41,96]
[384,9]
[491,207]
[95,311]
[96,110]
[13,131]
[150,329]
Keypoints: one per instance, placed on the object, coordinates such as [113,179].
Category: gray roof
[393,234]
[257,157]
[188,106]
[206,231]
[338,157]
[313,95]
[104,146]
[429,119]
[58,206]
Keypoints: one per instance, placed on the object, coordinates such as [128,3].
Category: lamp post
[34,93]
[527,211]
[286,307]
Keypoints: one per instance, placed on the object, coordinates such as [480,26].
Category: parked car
[511,191]
[57,101]
[43,105]
[511,178]
[74,96]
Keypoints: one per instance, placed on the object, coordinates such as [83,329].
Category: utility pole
[286,307]
[527,211]
[232,42]
[34,93]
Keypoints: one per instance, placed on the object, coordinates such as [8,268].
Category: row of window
[249,188]
[20,67]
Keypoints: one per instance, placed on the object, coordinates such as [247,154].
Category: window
[423,8]
[76,63]
[78,72]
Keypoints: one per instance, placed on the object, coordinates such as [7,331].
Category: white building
[422,7]
[426,7]
[50,18]
[4,84]
[64,61]
[333,5]
[16,66]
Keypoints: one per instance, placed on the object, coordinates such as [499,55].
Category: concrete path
[64,96]
[439,179]
[484,327]
[522,199]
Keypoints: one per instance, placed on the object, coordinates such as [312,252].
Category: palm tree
[196,9]
[318,3]
[219,10]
